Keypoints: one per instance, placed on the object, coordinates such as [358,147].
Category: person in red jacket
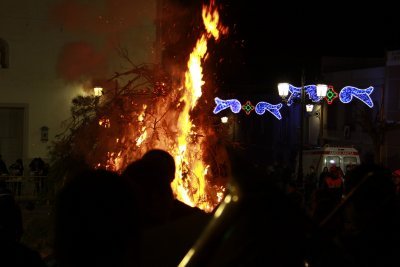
[334,182]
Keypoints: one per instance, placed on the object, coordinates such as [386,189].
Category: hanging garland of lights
[345,96]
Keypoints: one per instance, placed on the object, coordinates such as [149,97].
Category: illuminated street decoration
[235,107]
[346,96]
[311,91]
[248,107]
[331,95]
[261,107]
[347,93]
[233,104]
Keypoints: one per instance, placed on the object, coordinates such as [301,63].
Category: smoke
[98,26]
[79,60]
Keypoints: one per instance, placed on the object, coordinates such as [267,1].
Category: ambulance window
[332,161]
[349,161]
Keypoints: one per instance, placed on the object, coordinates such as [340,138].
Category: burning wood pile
[144,108]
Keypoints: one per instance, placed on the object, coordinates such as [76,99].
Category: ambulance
[327,156]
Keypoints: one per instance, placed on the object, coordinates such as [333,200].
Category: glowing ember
[105,123]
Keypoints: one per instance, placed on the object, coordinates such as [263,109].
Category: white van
[327,156]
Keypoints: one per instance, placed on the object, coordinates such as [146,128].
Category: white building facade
[52,51]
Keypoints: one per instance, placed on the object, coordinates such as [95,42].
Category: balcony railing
[26,187]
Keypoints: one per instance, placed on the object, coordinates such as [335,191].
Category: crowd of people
[132,218]
[14,174]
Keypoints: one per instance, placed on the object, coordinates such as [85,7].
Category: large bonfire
[149,111]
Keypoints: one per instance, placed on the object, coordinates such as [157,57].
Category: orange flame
[142,130]
[190,184]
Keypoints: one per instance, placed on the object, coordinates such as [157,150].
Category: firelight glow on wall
[346,95]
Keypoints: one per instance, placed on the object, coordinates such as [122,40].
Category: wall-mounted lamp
[44,134]
[309,108]
[224,119]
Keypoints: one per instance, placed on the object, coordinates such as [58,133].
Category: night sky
[270,42]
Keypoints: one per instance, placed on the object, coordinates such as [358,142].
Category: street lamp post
[283,90]
[300,167]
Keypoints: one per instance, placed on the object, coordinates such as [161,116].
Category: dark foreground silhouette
[12,251]
[96,222]
[170,227]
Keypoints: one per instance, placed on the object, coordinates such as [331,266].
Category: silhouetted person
[322,177]
[96,222]
[37,168]
[171,226]
[310,182]
[372,236]
[153,193]
[334,183]
[17,169]
[12,251]
[153,175]
[370,216]
[3,167]
[396,181]
[257,224]
[166,164]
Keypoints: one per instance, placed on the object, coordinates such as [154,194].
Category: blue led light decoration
[235,107]
[346,95]
[295,92]
[348,92]
[233,104]
[261,107]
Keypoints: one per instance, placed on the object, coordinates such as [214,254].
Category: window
[4,54]
[332,161]
[349,161]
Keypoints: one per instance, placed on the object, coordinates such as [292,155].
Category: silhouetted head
[162,160]
[96,221]
[151,177]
